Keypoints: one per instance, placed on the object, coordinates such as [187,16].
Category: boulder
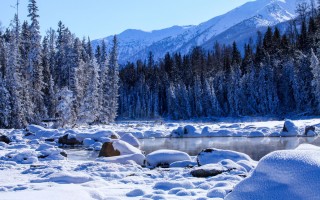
[108,150]
[68,141]
[208,170]
[309,128]
[5,139]
[289,129]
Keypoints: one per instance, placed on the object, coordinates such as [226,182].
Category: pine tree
[114,80]
[315,66]
[65,110]
[5,107]
[35,66]
[13,78]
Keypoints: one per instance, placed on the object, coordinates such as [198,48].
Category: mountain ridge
[136,44]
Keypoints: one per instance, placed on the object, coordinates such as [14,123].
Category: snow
[165,156]
[32,167]
[125,148]
[287,174]
[124,159]
[129,138]
[209,156]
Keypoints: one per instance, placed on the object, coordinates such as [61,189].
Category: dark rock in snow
[107,150]
[29,134]
[68,141]
[208,170]
[64,154]
[49,140]
[309,128]
[4,138]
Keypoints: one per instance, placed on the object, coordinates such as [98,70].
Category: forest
[61,78]
[278,75]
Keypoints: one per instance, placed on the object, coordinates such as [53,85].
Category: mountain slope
[237,24]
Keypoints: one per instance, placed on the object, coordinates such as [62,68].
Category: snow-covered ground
[33,166]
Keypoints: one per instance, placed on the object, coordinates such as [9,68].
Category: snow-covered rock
[166,157]
[186,131]
[289,129]
[125,148]
[255,134]
[129,138]
[287,174]
[212,156]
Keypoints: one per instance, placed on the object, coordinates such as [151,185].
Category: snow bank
[208,156]
[166,157]
[288,174]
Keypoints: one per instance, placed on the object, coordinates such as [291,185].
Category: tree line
[58,78]
[279,75]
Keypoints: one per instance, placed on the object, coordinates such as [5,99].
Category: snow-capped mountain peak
[135,44]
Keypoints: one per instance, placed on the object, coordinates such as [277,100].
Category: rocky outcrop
[65,140]
[309,128]
[208,170]
[4,138]
[108,150]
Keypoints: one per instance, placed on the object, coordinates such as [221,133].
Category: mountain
[238,25]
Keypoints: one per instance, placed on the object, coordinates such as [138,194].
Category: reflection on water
[256,148]
[77,153]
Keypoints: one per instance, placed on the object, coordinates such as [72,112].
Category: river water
[256,148]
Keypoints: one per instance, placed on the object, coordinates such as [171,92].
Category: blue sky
[100,18]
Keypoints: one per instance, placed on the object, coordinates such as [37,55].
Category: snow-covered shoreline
[33,167]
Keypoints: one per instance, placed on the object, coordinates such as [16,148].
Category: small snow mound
[217,193]
[288,174]
[255,134]
[166,157]
[208,156]
[168,185]
[22,156]
[136,193]
[64,178]
[88,142]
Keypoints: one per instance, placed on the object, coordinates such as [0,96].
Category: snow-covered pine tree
[104,87]
[65,111]
[315,66]
[48,89]
[89,108]
[35,67]
[114,80]
[5,107]
[13,80]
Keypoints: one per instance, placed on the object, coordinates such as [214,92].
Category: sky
[101,18]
